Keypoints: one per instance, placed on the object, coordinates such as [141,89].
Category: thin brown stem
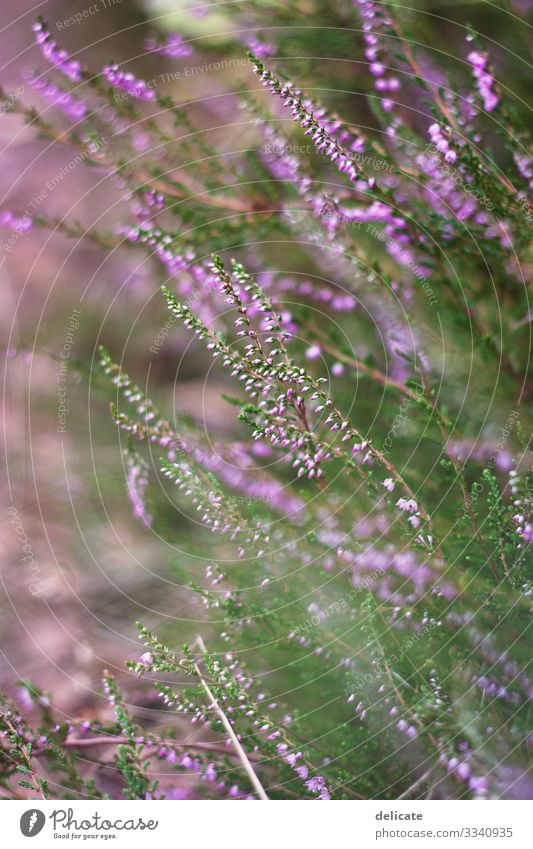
[357,364]
[165,186]
[242,755]
[112,740]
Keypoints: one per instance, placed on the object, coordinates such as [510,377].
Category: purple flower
[137,481]
[321,130]
[127,82]
[210,773]
[441,142]
[64,100]
[463,771]
[55,55]
[315,784]
[313,352]
[408,505]
[21,224]
[484,80]
[478,784]
[24,697]
[174,46]
[375,23]
[261,49]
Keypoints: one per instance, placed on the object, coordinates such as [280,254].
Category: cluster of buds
[56,55]
[377,23]
[127,82]
[484,79]
[311,122]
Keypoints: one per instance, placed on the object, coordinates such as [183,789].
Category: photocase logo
[32,822]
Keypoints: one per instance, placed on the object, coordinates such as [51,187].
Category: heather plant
[354,543]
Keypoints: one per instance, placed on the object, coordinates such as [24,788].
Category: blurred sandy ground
[67,611]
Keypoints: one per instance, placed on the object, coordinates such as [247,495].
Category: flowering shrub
[355,539]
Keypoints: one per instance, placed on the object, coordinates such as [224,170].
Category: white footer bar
[232,825]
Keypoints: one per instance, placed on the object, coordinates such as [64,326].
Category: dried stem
[243,757]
